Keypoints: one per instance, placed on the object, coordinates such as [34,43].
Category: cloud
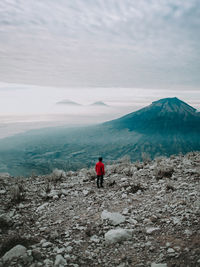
[146,43]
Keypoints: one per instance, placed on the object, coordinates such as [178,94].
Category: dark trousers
[99,179]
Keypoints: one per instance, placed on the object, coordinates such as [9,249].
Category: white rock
[53,193]
[63,185]
[85,192]
[48,263]
[59,173]
[133,221]
[69,248]
[18,251]
[124,195]
[115,218]
[94,238]
[46,244]
[159,265]
[43,206]
[125,211]
[170,250]
[150,230]
[55,197]
[64,192]
[118,235]
[60,261]
[176,221]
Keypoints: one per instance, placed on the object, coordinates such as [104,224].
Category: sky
[101,43]
[126,53]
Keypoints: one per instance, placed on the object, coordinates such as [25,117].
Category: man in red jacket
[100,172]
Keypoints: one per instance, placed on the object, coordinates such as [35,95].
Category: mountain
[68,102]
[168,126]
[99,103]
[169,115]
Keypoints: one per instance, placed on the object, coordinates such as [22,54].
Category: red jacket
[100,168]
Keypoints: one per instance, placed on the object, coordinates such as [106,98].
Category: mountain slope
[168,126]
[169,115]
[64,216]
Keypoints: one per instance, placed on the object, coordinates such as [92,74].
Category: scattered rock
[114,218]
[118,235]
[77,226]
[150,230]
[60,261]
[15,253]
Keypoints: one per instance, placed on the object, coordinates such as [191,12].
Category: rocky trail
[147,214]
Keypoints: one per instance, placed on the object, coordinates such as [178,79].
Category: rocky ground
[147,214]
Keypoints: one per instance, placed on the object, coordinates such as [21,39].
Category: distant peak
[68,102]
[99,103]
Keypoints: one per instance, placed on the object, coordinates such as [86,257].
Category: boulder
[16,252]
[60,261]
[118,235]
[114,218]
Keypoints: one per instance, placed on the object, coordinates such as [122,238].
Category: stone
[64,192]
[53,193]
[150,230]
[69,249]
[46,244]
[118,235]
[159,265]
[170,250]
[42,207]
[5,220]
[94,238]
[114,218]
[36,254]
[17,252]
[48,263]
[85,192]
[60,260]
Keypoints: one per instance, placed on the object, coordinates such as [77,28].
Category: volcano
[165,116]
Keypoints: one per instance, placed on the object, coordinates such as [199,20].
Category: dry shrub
[56,176]
[170,188]
[138,165]
[135,188]
[162,172]
[17,192]
[111,183]
[146,158]
[126,159]
[5,223]
[91,174]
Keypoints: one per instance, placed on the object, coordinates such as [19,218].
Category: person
[100,171]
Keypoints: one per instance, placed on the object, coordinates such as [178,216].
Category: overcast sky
[151,44]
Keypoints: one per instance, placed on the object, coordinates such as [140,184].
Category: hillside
[147,214]
[168,126]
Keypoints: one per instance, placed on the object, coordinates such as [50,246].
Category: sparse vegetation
[17,191]
[163,172]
